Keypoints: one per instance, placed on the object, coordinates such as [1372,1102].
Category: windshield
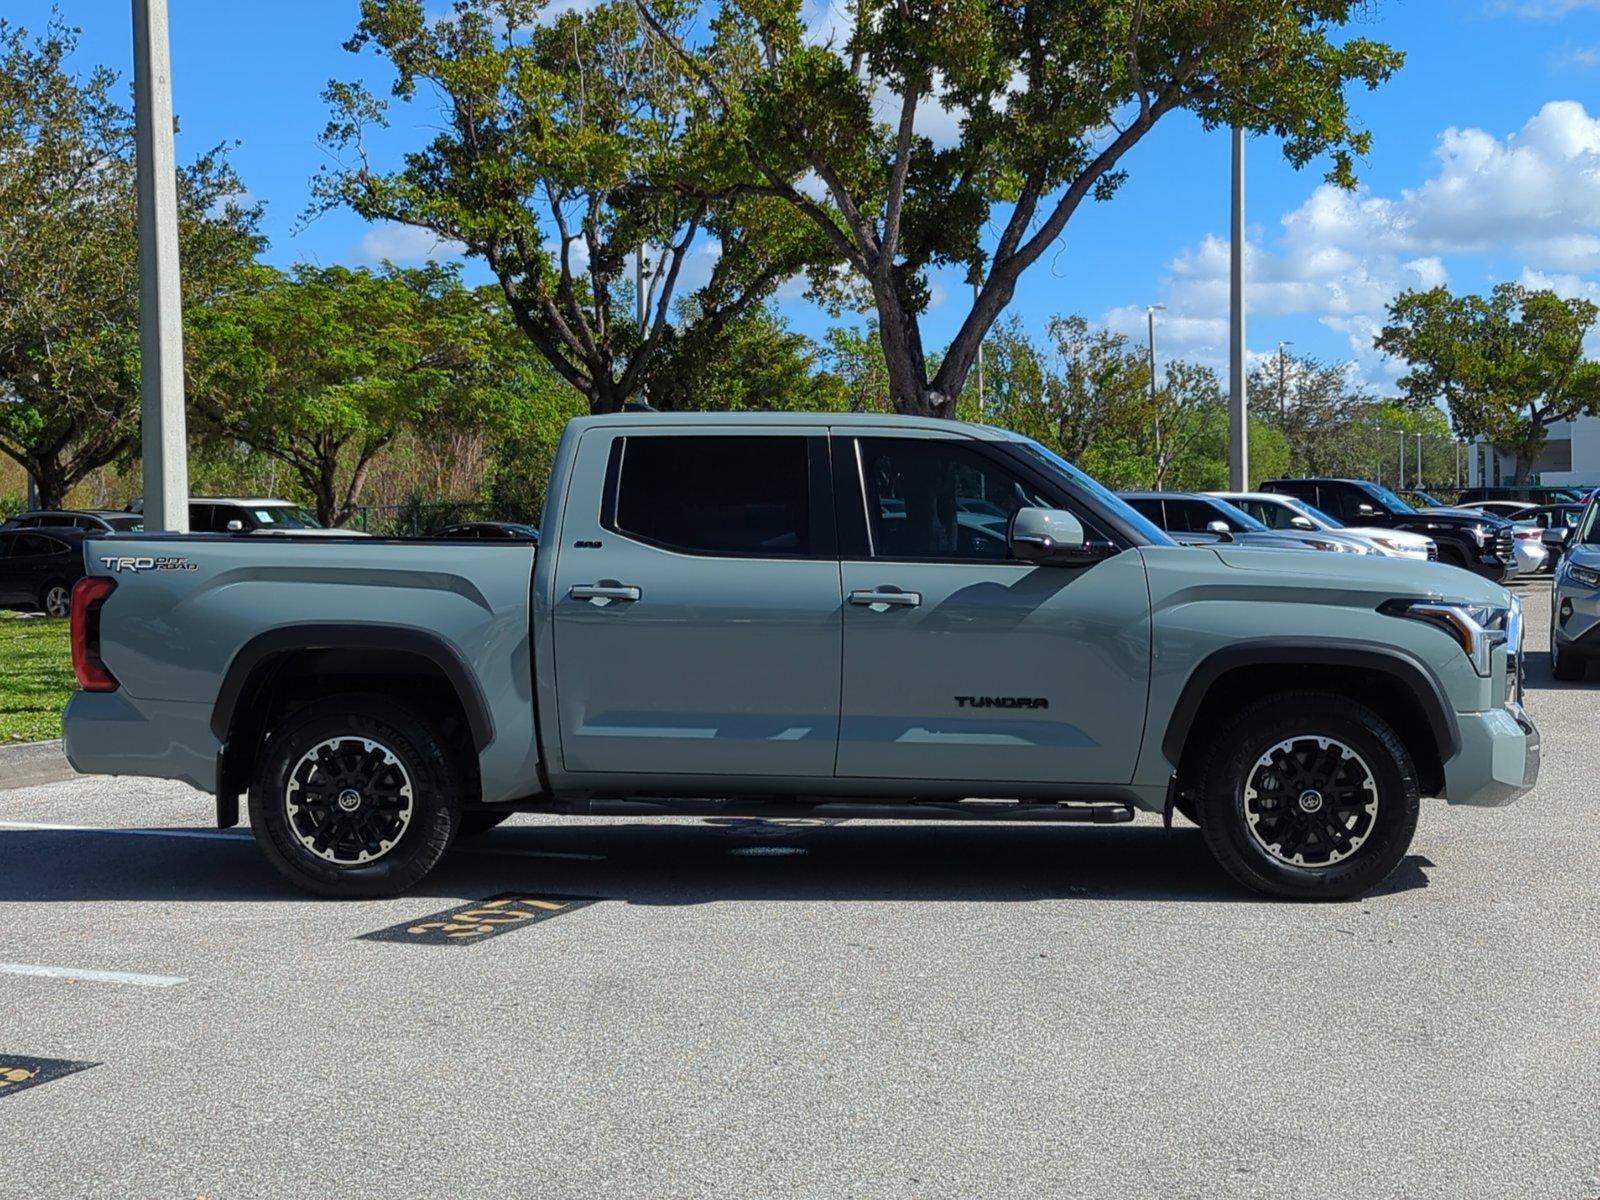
[126,524]
[286,516]
[1277,515]
[1589,532]
[1430,501]
[1387,498]
[1053,461]
[1235,515]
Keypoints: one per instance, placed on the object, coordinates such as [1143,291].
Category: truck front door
[960,664]
[696,604]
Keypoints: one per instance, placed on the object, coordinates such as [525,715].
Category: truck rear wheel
[355,796]
[1309,796]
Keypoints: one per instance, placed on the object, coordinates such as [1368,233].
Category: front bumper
[111,733]
[1498,761]
[1575,611]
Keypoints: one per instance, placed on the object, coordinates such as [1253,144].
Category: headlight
[1396,546]
[1582,576]
[1336,547]
[1477,628]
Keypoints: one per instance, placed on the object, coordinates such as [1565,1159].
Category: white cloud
[1540,10]
[1341,257]
[1575,58]
[401,244]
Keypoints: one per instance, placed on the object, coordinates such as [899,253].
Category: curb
[28,764]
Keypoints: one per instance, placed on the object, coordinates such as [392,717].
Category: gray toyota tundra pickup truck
[855,616]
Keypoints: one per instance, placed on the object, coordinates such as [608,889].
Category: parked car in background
[1196,518]
[489,531]
[1532,493]
[227,514]
[1509,509]
[92,520]
[1288,513]
[38,568]
[1527,544]
[1556,523]
[1418,498]
[1480,542]
[1575,601]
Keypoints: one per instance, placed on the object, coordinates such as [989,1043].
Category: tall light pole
[1283,378]
[1238,401]
[1150,311]
[1417,466]
[164,439]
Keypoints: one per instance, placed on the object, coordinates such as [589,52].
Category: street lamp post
[1283,384]
[164,440]
[1238,399]
[1150,311]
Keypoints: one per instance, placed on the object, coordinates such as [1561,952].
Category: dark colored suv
[38,568]
[1477,541]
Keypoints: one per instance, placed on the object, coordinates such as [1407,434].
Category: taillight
[88,594]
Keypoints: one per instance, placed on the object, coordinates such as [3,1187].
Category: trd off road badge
[484,919]
[144,562]
[18,1073]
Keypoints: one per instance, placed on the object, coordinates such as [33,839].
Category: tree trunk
[51,483]
[903,357]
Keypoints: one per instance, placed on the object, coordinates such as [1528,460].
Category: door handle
[604,591]
[892,599]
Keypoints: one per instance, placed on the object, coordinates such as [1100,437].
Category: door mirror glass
[1048,535]
[1302,523]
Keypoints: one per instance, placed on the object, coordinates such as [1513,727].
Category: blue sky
[1486,167]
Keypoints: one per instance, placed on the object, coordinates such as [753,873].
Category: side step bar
[1114,813]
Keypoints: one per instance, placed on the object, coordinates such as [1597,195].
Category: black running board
[853,810]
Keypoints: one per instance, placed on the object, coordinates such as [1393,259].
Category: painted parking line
[243,835]
[480,920]
[20,1072]
[41,971]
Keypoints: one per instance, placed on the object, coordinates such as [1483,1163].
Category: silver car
[1575,602]
[1290,513]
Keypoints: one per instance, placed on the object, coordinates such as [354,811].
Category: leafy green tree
[1051,95]
[853,356]
[322,369]
[69,303]
[565,146]
[755,361]
[1508,365]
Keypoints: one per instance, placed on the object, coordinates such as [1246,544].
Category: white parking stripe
[242,835]
[91,976]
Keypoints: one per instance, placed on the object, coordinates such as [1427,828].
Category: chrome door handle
[604,591]
[894,599]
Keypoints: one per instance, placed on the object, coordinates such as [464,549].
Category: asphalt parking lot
[783,1009]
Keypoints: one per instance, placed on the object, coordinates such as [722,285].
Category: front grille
[1503,547]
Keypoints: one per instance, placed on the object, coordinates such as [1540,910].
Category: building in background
[1571,456]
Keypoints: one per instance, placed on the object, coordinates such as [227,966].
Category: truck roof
[819,420]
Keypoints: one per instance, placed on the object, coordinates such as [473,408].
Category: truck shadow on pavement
[680,863]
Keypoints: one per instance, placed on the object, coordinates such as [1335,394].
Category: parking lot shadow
[680,862]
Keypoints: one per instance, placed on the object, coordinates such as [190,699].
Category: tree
[322,368]
[69,303]
[568,146]
[1051,95]
[755,361]
[1508,366]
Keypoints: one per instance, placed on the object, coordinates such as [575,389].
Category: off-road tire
[436,796]
[1271,721]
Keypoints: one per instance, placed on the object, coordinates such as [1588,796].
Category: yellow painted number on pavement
[10,1075]
[475,922]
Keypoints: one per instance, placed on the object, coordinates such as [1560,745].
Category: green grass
[35,677]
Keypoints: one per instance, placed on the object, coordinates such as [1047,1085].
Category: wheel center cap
[1310,801]
[350,800]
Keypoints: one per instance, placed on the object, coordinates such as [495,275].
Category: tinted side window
[1191,516]
[716,495]
[1150,509]
[930,499]
[7,541]
[32,545]
[1298,489]
[1342,502]
[1273,516]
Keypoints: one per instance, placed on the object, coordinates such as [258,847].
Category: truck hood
[1454,518]
[1393,577]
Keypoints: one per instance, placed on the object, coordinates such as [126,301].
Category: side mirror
[1221,529]
[1049,536]
[1305,523]
[235,526]
[1366,510]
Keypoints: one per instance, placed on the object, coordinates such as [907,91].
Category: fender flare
[1403,667]
[288,639]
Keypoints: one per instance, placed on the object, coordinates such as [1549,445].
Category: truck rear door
[696,604]
[961,664]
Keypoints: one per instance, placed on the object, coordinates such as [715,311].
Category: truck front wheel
[1309,796]
[354,796]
